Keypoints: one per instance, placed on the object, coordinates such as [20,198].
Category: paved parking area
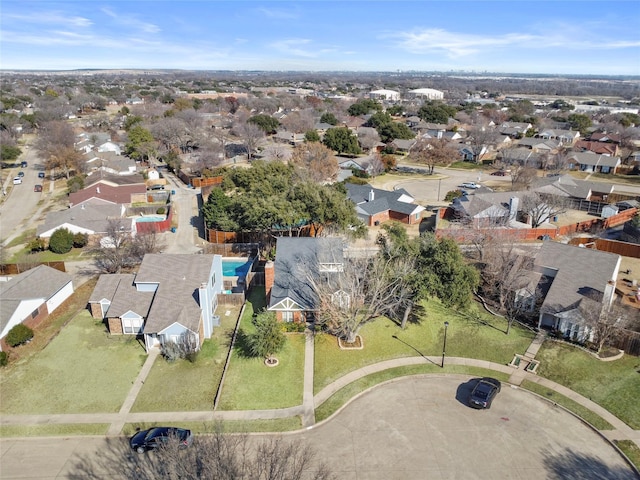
[413,428]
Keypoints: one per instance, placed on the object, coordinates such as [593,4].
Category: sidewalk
[621,430]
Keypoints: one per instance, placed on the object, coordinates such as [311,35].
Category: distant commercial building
[427,93]
[385,95]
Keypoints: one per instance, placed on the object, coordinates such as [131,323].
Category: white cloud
[455,45]
[131,22]
[292,47]
[51,18]
[279,14]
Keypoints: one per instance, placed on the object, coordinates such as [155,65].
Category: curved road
[415,427]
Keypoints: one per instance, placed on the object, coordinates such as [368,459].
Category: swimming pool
[236,268]
[151,218]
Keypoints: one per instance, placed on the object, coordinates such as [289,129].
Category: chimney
[269,276]
[513,208]
[372,195]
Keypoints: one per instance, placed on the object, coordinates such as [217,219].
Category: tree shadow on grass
[242,345]
[579,466]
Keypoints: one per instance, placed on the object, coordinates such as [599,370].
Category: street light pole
[444,344]
[439,180]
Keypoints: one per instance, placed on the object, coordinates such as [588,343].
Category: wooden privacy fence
[629,341]
[612,246]
[530,234]
[17,268]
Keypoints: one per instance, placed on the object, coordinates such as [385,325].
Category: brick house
[375,206]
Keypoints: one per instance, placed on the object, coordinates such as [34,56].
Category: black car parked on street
[154,437]
[484,392]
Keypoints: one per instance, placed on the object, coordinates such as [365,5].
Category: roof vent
[372,195]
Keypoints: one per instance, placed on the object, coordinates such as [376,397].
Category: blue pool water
[151,218]
[235,268]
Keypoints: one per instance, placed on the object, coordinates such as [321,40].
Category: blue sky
[520,36]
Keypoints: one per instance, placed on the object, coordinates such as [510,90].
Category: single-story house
[539,145]
[117,189]
[603,148]
[88,218]
[593,162]
[566,137]
[172,298]
[514,129]
[374,205]
[31,296]
[289,292]
[579,279]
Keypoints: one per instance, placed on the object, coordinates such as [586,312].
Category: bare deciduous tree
[432,152]
[213,456]
[56,142]
[119,249]
[479,139]
[251,135]
[299,122]
[363,290]
[542,208]
[315,161]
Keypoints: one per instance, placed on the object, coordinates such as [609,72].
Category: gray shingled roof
[294,257]
[94,218]
[176,299]
[383,199]
[581,272]
[41,282]
[121,292]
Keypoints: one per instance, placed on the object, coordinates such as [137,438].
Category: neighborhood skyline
[546,37]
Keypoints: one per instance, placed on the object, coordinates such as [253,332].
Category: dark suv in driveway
[484,392]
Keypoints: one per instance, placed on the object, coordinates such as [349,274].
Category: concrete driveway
[413,428]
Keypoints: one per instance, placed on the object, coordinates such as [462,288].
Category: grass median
[612,385]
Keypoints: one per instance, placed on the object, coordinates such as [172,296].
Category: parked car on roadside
[40,174]
[153,438]
[37,188]
[23,164]
[17,180]
[484,392]
[499,173]
[21,174]
[471,185]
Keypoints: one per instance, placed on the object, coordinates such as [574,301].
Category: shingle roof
[94,218]
[581,272]
[295,257]
[179,277]
[121,291]
[41,282]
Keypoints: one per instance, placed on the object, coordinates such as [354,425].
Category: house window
[132,325]
[35,313]
[341,299]
[287,316]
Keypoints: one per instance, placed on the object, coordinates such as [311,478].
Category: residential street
[416,427]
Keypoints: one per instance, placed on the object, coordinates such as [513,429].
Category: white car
[471,185]
[17,180]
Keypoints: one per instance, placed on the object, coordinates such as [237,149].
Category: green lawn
[54,430]
[185,386]
[48,256]
[583,412]
[82,370]
[630,449]
[613,385]
[250,384]
[466,337]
